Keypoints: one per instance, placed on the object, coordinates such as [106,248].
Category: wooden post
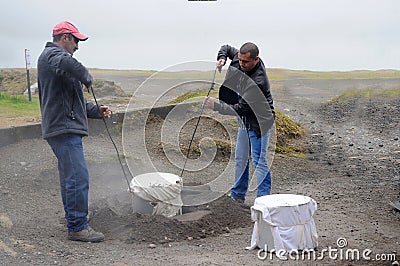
[28,66]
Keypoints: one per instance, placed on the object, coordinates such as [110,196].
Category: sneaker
[86,235]
[236,199]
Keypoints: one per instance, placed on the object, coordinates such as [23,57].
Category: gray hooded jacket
[62,103]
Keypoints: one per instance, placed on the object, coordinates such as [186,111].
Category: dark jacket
[62,103]
[247,95]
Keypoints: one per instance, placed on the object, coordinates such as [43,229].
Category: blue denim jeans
[74,178]
[248,143]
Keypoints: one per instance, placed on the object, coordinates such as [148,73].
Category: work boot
[86,235]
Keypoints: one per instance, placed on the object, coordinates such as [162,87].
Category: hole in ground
[115,218]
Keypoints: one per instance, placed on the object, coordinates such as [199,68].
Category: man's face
[70,43]
[246,62]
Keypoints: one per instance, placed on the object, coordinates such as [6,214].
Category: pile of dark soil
[199,222]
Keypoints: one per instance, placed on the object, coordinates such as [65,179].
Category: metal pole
[29,85]
[28,66]
[197,124]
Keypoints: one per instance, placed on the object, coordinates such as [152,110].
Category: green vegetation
[365,93]
[286,74]
[192,96]
[12,106]
[288,132]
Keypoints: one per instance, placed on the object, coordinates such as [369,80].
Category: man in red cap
[64,122]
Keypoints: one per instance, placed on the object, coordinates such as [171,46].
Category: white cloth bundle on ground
[159,190]
[284,223]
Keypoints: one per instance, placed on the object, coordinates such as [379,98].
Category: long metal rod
[197,124]
[112,140]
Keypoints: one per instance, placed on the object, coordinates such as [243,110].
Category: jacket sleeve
[92,110]
[76,70]
[242,108]
[227,51]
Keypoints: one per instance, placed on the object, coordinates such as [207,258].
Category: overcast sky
[155,34]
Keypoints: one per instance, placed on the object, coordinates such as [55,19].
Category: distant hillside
[287,74]
[13,80]
[273,74]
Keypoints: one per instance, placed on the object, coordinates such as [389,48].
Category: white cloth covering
[284,223]
[162,190]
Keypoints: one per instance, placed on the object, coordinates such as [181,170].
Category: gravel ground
[351,169]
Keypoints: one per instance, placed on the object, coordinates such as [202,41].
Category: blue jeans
[74,179]
[247,142]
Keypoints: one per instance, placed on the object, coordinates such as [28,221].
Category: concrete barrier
[15,134]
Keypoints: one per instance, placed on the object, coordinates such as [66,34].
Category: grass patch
[192,95]
[365,93]
[288,133]
[287,74]
[12,106]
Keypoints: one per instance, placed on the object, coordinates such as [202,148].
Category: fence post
[28,66]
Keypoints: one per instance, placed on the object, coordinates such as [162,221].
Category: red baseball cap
[67,27]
